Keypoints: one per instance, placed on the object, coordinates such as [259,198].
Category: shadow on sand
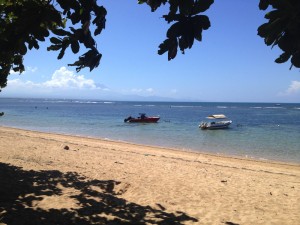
[96,201]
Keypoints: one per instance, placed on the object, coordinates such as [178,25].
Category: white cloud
[61,79]
[28,69]
[294,88]
[17,83]
[65,83]
[62,84]
[64,78]
[13,72]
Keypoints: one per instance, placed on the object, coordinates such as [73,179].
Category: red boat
[142,119]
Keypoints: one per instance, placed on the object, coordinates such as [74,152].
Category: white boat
[218,121]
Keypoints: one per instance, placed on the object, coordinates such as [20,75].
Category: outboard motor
[127,119]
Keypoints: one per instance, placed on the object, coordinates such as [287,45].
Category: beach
[62,179]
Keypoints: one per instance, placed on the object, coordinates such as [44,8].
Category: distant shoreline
[156,101]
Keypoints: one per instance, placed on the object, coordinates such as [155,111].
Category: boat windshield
[217,116]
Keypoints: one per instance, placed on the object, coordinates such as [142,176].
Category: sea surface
[264,131]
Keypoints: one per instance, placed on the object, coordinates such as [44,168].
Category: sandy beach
[61,179]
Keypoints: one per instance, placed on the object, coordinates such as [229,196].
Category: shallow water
[259,130]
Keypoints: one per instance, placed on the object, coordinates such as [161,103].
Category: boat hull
[145,120]
[215,125]
[142,119]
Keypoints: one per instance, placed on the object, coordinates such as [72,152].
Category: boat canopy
[217,116]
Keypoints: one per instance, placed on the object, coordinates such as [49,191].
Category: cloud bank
[294,88]
[63,83]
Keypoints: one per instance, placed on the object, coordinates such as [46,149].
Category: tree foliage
[187,23]
[74,24]
[25,23]
[282,29]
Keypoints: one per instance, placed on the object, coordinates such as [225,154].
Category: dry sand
[61,179]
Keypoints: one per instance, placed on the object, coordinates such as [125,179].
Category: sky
[231,64]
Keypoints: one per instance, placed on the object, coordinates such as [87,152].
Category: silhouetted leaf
[172,17]
[54,47]
[186,6]
[263,4]
[22,48]
[274,14]
[280,4]
[74,46]
[163,47]
[263,30]
[172,52]
[174,4]
[183,44]
[201,6]
[55,40]
[201,21]
[61,53]
[174,31]
[39,37]
[296,60]
[60,32]
[75,18]
[154,4]
[283,58]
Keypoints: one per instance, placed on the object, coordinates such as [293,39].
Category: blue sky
[231,64]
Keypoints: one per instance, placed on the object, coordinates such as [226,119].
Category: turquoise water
[259,130]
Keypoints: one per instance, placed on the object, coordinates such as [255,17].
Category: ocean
[263,131]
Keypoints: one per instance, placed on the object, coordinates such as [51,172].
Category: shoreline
[192,151]
[77,179]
